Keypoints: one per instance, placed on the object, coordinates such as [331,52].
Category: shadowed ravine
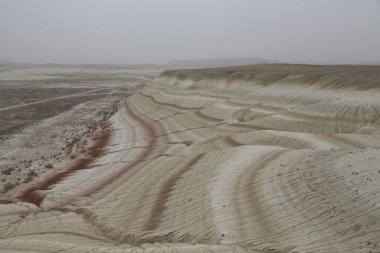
[265,158]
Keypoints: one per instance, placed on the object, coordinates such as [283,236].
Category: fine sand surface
[264,158]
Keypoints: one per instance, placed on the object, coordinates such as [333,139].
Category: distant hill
[102,66]
[85,66]
[212,63]
[371,63]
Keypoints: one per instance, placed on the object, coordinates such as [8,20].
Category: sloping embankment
[269,158]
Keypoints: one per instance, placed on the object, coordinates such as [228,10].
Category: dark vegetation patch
[11,121]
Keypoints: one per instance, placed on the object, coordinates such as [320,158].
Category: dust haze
[125,31]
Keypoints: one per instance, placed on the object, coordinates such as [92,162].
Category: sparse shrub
[7,171]
[28,179]
[49,166]
[9,186]
[32,173]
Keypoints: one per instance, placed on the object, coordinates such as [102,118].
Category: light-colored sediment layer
[200,164]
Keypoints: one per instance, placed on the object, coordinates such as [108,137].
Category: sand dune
[269,158]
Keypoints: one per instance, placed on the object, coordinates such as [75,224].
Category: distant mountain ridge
[372,63]
[213,63]
[89,66]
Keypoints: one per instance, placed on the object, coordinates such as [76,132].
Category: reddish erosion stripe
[159,206]
[257,209]
[5,201]
[149,128]
[34,194]
[139,158]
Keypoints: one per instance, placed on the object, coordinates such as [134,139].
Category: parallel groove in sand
[200,167]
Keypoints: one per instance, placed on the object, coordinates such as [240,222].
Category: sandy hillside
[265,158]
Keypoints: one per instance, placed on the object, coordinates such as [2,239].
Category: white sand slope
[202,161]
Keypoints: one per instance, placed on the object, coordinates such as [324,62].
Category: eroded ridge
[200,162]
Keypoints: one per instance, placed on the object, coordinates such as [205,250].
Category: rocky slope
[265,158]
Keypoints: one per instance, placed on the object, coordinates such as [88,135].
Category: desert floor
[45,111]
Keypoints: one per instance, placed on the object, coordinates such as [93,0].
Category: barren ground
[45,112]
[263,158]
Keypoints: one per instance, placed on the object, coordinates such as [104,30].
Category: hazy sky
[155,31]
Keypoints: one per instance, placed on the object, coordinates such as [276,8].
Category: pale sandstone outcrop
[222,161]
